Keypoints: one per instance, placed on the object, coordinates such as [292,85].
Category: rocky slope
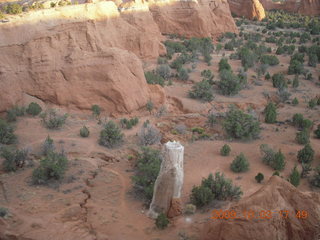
[62,55]
[250,9]
[276,195]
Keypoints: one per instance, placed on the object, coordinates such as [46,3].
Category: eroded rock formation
[276,195]
[202,18]
[306,7]
[247,8]
[168,186]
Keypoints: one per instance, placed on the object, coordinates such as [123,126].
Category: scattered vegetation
[129,123]
[13,158]
[52,120]
[6,133]
[270,113]
[202,90]
[240,164]
[294,177]
[15,112]
[149,135]
[111,135]
[306,154]
[34,109]
[96,110]
[276,160]
[162,221]
[225,150]
[259,177]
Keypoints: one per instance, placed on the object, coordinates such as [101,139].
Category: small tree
[294,177]
[306,154]
[240,164]
[201,195]
[84,132]
[149,135]
[52,120]
[111,135]
[295,101]
[270,113]
[229,83]
[34,109]
[225,150]
[317,132]
[48,146]
[224,65]
[202,90]
[259,178]
[306,168]
[183,74]
[6,133]
[315,180]
[312,103]
[162,221]
[295,83]
[149,106]
[96,110]
[279,81]
[13,158]
[279,161]
[302,137]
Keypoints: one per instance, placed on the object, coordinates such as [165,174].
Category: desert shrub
[162,60]
[211,120]
[1,15]
[229,83]
[146,171]
[259,177]
[52,166]
[6,133]
[198,130]
[295,67]
[13,158]
[270,113]
[306,154]
[276,173]
[224,65]
[52,120]
[221,189]
[180,128]
[248,57]
[15,112]
[154,78]
[34,109]
[294,177]
[300,122]
[295,101]
[295,83]
[164,71]
[96,110]
[207,75]
[48,146]
[270,60]
[149,106]
[225,150]
[13,8]
[278,162]
[317,132]
[84,132]
[315,180]
[111,135]
[190,209]
[306,168]
[202,90]
[312,103]
[313,60]
[162,221]
[271,158]
[278,81]
[129,123]
[183,74]
[241,125]
[267,76]
[149,135]
[283,94]
[302,137]
[3,212]
[240,164]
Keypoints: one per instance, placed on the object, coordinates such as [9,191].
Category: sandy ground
[95,199]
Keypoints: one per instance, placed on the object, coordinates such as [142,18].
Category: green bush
[34,109]
[295,101]
[13,158]
[146,171]
[15,112]
[96,110]
[299,121]
[149,135]
[306,168]
[13,8]
[111,135]
[129,123]
[52,120]
[229,83]
[211,120]
[271,158]
[270,113]
[241,125]
[164,71]
[315,180]
[162,221]
[270,60]
[215,187]
[295,67]
[306,154]
[278,162]
[225,150]
[302,137]
[149,106]
[240,164]
[53,166]
[202,90]
[259,177]
[278,81]
[153,78]
[84,132]
[48,146]
[6,133]
[183,74]
[317,132]
[312,103]
[295,83]
[294,177]
[3,212]
[224,65]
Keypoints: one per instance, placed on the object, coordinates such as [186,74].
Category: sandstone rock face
[202,18]
[276,195]
[76,63]
[168,186]
[250,9]
[306,7]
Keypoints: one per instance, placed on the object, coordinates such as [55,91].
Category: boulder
[251,9]
[168,186]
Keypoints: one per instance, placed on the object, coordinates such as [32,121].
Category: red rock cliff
[250,9]
[306,7]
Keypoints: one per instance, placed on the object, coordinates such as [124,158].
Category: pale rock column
[168,186]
